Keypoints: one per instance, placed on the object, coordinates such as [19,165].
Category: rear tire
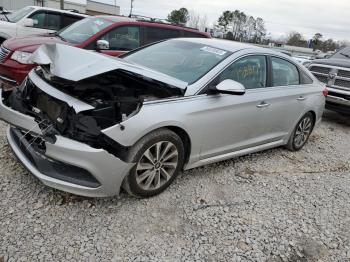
[159,157]
[301,132]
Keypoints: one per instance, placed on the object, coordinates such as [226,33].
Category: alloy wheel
[157,165]
[303,131]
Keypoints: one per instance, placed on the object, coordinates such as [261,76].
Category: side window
[154,34]
[305,79]
[69,19]
[192,34]
[249,71]
[47,20]
[124,38]
[284,73]
[53,21]
[39,19]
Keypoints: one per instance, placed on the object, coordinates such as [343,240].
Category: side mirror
[28,22]
[230,87]
[102,45]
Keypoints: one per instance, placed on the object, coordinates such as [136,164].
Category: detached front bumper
[71,166]
[66,164]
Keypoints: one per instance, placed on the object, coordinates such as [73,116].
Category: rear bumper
[82,170]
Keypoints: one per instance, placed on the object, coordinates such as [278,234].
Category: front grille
[323,79]
[332,76]
[342,83]
[3,53]
[344,73]
[320,69]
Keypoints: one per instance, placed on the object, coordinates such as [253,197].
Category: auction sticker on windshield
[213,50]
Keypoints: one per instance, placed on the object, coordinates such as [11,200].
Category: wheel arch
[185,138]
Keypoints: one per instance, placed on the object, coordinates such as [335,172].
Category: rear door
[286,97]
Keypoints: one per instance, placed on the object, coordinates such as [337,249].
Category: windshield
[82,30]
[19,14]
[343,53]
[183,60]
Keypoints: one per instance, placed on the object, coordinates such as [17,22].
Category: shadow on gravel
[333,117]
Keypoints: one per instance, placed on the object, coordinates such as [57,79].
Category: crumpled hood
[76,64]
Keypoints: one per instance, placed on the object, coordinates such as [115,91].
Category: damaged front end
[81,109]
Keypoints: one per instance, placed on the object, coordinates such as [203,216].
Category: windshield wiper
[347,56]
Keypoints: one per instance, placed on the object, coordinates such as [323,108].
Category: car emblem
[332,75]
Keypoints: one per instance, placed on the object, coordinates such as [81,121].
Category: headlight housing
[21,57]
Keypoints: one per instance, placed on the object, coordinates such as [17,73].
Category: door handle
[301,98]
[263,105]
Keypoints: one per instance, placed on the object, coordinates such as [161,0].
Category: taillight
[325,92]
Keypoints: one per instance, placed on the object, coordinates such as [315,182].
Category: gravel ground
[272,206]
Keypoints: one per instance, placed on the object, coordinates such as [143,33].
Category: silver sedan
[90,124]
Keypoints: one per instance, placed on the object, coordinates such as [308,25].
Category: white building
[83,6]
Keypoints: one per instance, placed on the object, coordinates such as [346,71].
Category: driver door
[237,122]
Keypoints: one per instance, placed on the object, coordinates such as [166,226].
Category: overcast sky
[331,18]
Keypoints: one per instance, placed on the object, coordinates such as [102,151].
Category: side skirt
[234,154]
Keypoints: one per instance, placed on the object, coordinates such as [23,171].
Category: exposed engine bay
[114,96]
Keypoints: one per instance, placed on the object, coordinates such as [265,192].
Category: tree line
[236,25]
[242,27]
[317,42]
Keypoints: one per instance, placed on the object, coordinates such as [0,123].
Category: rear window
[155,34]
[305,79]
[69,19]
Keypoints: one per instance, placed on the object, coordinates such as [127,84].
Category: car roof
[233,46]
[117,19]
[58,10]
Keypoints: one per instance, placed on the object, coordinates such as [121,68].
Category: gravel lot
[271,206]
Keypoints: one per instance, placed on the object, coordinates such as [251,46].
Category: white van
[36,20]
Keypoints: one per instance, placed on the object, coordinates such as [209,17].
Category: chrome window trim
[253,54]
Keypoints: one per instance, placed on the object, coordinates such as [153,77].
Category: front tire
[301,132]
[159,157]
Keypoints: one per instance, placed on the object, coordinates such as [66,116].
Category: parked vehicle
[3,14]
[110,35]
[335,73]
[88,124]
[304,60]
[35,20]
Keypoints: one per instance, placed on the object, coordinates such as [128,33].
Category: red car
[109,35]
